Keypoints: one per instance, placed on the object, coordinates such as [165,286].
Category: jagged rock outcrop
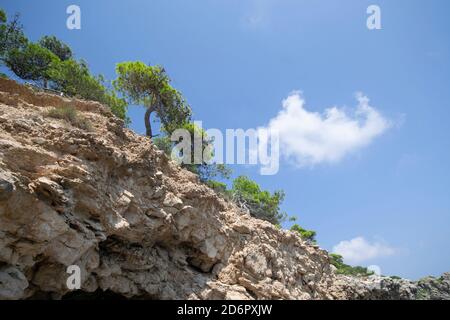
[131,219]
[135,223]
[431,288]
[373,288]
[386,288]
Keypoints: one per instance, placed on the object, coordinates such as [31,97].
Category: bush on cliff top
[345,269]
[49,63]
[261,203]
[307,235]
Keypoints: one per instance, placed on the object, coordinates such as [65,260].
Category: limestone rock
[138,225]
[6,189]
[12,283]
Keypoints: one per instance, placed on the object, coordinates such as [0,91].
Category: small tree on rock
[308,235]
[260,203]
[150,86]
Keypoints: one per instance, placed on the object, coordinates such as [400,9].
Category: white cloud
[310,138]
[359,250]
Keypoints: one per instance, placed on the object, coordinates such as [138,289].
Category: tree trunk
[148,126]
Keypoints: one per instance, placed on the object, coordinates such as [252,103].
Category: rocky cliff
[137,225]
[386,288]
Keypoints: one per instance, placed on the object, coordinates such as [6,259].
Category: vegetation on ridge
[11,35]
[49,64]
[307,235]
[345,269]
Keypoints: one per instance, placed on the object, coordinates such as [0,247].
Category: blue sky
[236,60]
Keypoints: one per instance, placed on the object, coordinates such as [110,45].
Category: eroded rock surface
[136,224]
[386,288]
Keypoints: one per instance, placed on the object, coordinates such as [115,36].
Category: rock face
[373,288]
[385,288]
[136,224]
[431,288]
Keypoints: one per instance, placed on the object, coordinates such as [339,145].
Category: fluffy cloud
[359,250]
[310,138]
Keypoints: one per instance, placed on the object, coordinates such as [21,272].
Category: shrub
[308,235]
[206,170]
[345,269]
[218,186]
[69,114]
[74,79]
[117,105]
[260,203]
[164,144]
[50,64]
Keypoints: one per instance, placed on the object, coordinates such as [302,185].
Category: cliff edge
[136,224]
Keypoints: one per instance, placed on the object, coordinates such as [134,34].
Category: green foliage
[218,186]
[224,171]
[32,63]
[336,259]
[200,138]
[150,86]
[57,47]
[395,277]
[11,35]
[118,105]
[70,115]
[173,110]
[204,168]
[50,64]
[164,144]
[422,294]
[74,79]
[342,268]
[307,235]
[261,204]
[139,82]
